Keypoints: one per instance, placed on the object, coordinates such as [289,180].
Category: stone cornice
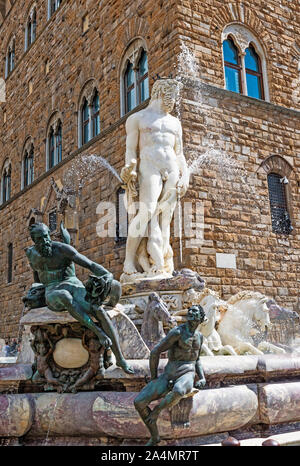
[221,93]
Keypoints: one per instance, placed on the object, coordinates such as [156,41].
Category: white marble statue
[156,175]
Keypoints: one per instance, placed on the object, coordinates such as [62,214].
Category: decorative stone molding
[87,92]
[135,27]
[34,216]
[10,55]
[276,164]
[53,121]
[237,12]
[27,144]
[30,18]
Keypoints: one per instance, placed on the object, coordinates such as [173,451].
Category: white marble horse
[246,311]
[213,307]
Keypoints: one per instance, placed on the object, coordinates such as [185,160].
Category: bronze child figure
[91,344]
[183,344]
[43,348]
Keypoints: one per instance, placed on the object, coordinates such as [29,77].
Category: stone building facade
[56,54]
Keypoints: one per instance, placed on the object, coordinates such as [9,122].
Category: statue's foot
[126,368]
[129,268]
[153,441]
[156,269]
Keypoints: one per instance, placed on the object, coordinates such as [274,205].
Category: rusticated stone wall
[237,221]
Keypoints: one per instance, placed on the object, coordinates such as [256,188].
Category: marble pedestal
[69,359]
[177,292]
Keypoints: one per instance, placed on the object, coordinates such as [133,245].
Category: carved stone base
[66,356]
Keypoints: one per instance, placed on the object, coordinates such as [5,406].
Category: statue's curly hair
[163,86]
[199,309]
[36,227]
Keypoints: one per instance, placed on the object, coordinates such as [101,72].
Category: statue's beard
[45,250]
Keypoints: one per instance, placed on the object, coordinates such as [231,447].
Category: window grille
[281,222]
[52,221]
[122,217]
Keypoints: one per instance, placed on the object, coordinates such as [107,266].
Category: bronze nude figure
[183,344]
[53,266]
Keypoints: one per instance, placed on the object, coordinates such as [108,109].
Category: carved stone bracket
[67,357]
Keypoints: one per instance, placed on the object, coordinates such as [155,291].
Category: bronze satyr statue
[53,266]
[183,344]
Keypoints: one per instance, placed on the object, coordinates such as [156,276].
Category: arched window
[53,5]
[245,65]
[58,147]
[281,222]
[51,148]
[10,58]
[96,115]
[28,166]
[233,66]
[6,182]
[134,76]
[30,32]
[54,144]
[89,114]
[129,85]
[85,122]
[142,77]
[253,73]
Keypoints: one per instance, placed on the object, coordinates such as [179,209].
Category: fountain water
[83,169]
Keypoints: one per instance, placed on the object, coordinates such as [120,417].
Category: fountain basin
[112,414]
[244,393]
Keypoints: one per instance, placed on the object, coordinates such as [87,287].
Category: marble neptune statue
[156,173]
